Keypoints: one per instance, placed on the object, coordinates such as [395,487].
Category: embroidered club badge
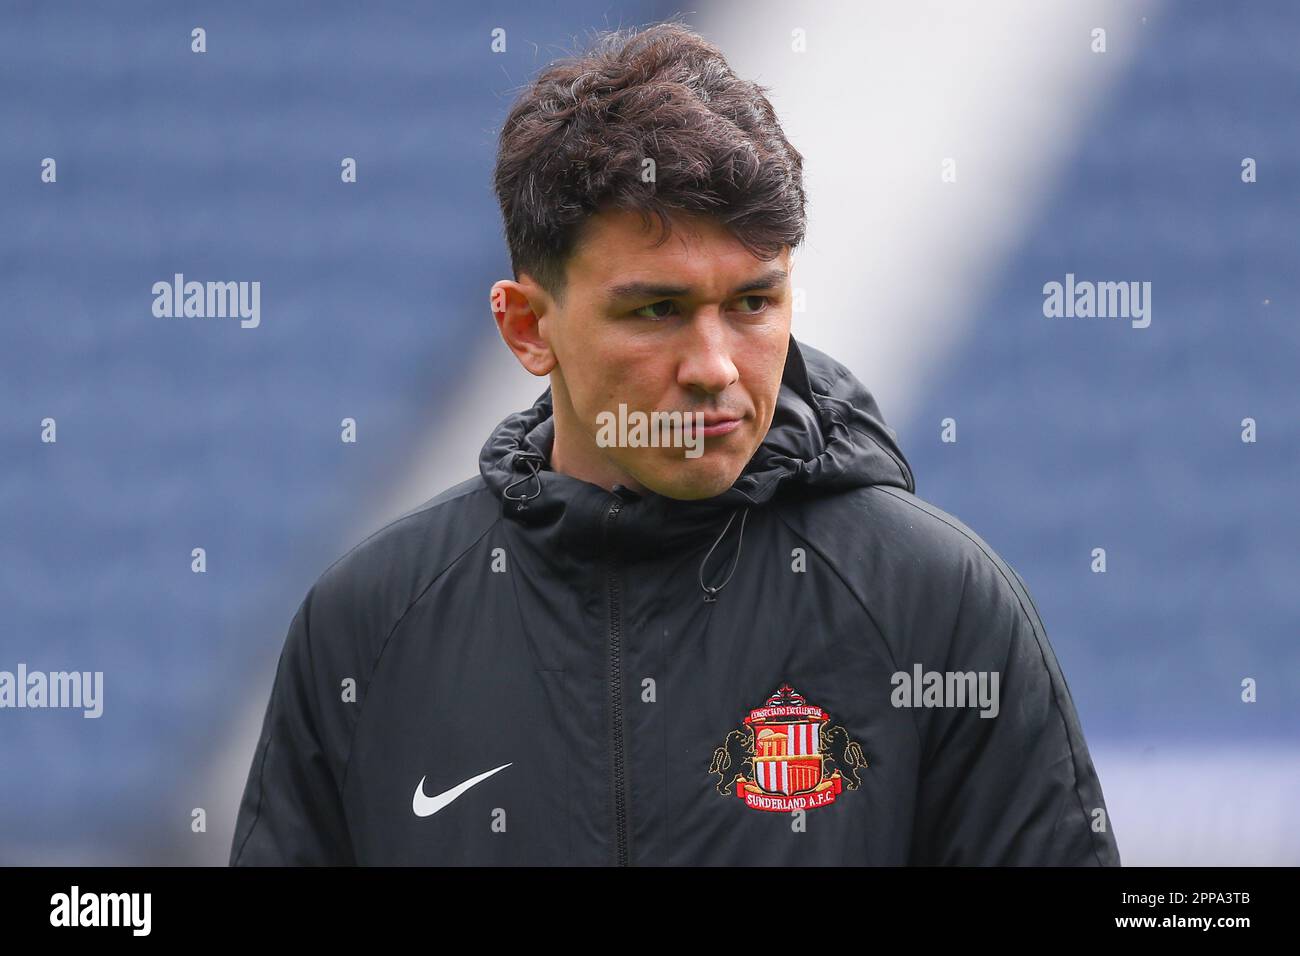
[787,756]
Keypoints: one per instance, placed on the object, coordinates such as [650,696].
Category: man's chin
[693,479]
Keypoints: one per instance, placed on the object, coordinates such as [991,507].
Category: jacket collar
[826,435]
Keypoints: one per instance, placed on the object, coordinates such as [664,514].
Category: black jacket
[529,669]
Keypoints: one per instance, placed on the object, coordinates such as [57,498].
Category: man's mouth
[720,427]
[714,425]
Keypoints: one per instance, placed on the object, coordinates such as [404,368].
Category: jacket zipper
[616,692]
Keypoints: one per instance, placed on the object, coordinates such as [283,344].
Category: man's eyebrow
[654,290]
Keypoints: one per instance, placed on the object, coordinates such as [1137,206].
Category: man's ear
[518,308]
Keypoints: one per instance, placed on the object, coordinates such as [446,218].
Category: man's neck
[573,454]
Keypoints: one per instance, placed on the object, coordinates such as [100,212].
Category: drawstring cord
[711,591]
[533,461]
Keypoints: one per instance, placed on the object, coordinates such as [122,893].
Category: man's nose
[706,363]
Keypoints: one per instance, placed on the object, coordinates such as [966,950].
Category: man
[730,636]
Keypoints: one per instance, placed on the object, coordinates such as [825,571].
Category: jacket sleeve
[1018,788]
[291,813]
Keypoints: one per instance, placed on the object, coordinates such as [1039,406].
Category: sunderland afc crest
[787,756]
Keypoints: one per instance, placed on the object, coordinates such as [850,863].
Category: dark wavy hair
[576,139]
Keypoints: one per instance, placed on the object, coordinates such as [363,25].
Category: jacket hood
[827,435]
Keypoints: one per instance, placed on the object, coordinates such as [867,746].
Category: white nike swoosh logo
[425,806]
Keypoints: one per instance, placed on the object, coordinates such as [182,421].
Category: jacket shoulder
[918,571]
[361,597]
[930,534]
[891,526]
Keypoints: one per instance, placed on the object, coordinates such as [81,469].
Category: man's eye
[639,313]
[762,299]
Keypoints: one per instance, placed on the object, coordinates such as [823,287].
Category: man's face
[697,324]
